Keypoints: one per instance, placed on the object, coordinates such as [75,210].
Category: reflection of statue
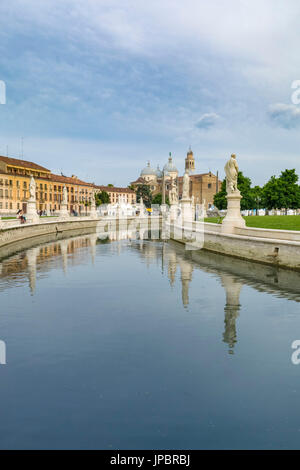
[65,195]
[173,193]
[32,188]
[232,308]
[186,186]
[231,169]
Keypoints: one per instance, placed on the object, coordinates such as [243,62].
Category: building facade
[115,194]
[15,175]
[203,186]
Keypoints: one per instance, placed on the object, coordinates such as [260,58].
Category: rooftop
[22,163]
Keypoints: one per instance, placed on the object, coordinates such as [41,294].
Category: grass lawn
[281,222]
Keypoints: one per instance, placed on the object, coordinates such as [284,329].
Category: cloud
[207,120]
[285,115]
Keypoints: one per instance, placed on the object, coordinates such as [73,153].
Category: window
[24,184]
[209,185]
[18,184]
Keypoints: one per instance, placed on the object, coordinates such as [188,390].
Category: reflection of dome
[158,172]
[170,167]
[148,171]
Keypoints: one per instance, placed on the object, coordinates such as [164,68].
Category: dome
[148,171]
[170,167]
[158,172]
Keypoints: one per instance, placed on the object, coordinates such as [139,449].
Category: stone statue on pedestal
[65,195]
[173,193]
[31,210]
[32,189]
[233,218]
[186,186]
[231,170]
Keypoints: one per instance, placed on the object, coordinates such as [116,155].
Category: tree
[244,186]
[110,185]
[102,198]
[282,192]
[144,191]
[257,197]
[158,199]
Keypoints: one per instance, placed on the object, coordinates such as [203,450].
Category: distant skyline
[98,88]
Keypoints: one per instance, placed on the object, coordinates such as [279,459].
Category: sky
[96,88]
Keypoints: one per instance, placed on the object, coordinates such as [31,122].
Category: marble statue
[65,195]
[186,186]
[32,188]
[173,193]
[231,170]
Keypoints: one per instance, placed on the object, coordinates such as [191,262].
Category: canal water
[113,343]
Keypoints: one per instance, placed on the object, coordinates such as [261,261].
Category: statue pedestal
[64,213]
[31,214]
[233,217]
[173,212]
[93,213]
[187,211]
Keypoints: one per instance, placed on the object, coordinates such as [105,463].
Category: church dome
[170,167]
[148,171]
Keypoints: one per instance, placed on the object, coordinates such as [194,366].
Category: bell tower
[190,161]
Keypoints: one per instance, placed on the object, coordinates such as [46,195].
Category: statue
[93,200]
[32,188]
[65,195]
[186,186]
[173,193]
[231,169]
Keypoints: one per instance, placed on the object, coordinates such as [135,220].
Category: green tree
[102,198]
[158,199]
[282,192]
[257,198]
[144,191]
[244,186]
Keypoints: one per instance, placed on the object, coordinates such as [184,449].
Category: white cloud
[207,121]
[285,115]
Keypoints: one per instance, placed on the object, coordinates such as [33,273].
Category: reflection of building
[203,186]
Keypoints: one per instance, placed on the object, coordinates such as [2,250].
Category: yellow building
[15,175]
[126,194]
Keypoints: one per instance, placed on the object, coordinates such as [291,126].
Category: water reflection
[172,258]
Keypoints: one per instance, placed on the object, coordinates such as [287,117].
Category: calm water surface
[142,344]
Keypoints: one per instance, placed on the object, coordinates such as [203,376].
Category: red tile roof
[113,189]
[68,180]
[22,163]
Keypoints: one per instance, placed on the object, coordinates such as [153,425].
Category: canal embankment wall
[274,247]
